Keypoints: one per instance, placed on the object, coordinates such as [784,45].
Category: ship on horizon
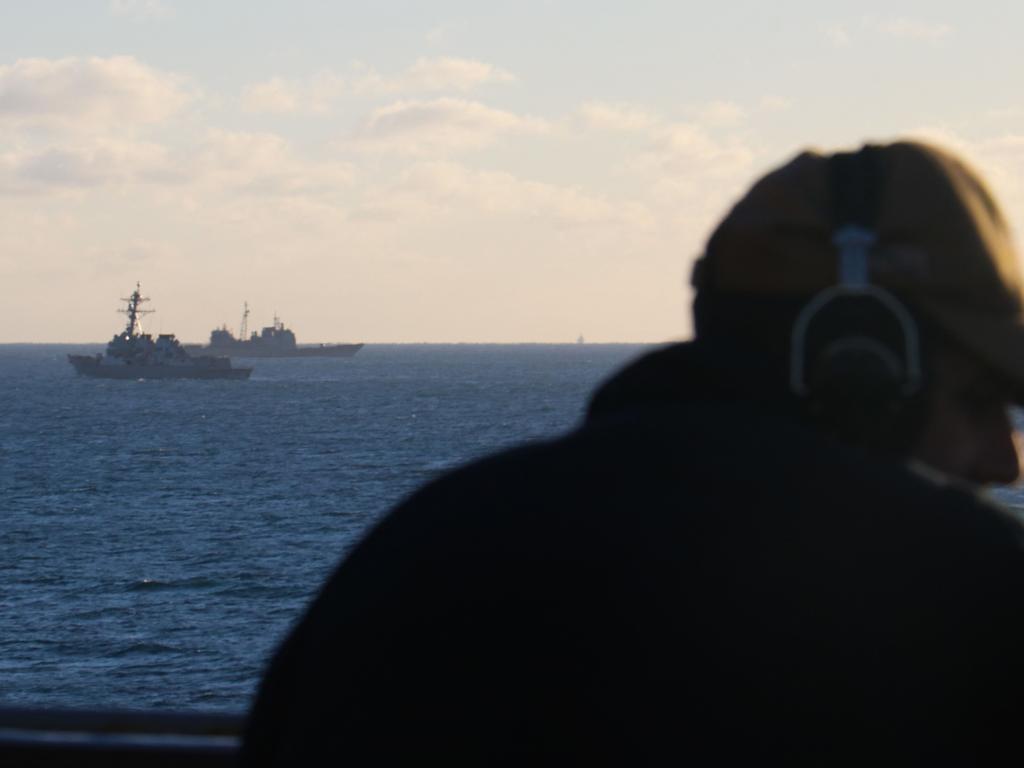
[272,341]
[133,354]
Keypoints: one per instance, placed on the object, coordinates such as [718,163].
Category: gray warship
[133,354]
[272,341]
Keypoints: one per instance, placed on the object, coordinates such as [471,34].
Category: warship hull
[250,349]
[89,365]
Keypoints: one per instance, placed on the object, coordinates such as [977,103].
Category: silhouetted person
[762,547]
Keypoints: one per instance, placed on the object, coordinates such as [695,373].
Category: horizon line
[380,343]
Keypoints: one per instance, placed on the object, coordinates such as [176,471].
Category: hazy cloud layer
[429,189]
[274,95]
[913,29]
[683,145]
[321,92]
[701,148]
[902,28]
[317,94]
[622,118]
[219,163]
[140,9]
[443,73]
[87,92]
[54,168]
[93,164]
[838,36]
[774,103]
[722,113]
[440,126]
[437,175]
[266,164]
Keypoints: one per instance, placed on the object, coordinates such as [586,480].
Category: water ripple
[161,536]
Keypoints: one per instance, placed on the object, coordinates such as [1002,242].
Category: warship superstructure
[133,354]
[272,341]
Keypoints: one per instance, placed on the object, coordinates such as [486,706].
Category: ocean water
[158,538]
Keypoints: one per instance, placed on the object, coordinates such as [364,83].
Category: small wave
[198,582]
[246,590]
[441,465]
[143,649]
[102,612]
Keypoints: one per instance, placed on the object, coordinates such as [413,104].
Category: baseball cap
[942,244]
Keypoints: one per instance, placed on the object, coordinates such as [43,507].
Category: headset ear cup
[855,389]
[861,370]
[856,369]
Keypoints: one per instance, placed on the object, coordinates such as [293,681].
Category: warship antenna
[134,311]
[244,329]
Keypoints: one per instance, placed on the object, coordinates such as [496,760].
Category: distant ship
[132,354]
[273,341]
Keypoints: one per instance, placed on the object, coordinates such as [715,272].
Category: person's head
[884,285]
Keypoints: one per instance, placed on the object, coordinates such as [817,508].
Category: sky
[444,171]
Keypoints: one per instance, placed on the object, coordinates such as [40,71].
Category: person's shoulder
[971,511]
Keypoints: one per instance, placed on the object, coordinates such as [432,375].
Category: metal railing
[56,737]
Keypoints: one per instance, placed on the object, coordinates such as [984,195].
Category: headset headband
[855,180]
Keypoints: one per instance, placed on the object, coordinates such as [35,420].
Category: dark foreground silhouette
[689,576]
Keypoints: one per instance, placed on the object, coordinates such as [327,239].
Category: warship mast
[243,330]
[135,312]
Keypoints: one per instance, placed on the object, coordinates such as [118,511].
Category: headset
[855,349]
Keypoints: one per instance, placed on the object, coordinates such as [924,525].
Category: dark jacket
[691,576]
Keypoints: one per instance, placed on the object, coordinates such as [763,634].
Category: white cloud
[773,103]
[911,29]
[687,148]
[686,171]
[838,36]
[438,34]
[260,164]
[696,151]
[621,118]
[625,118]
[1011,115]
[249,152]
[140,9]
[316,94]
[266,164]
[92,164]
[145,250]
[442,73]
[429,189]
[136,254]
[56,168]
[902,28]
[720,113]
[116,91]
[441,125]
[274,95]
[447,73]
[1009,145]
[691,175]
